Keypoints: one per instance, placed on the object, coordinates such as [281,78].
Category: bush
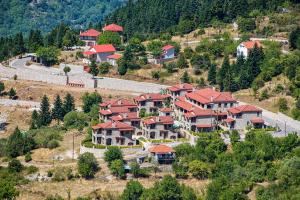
[155,75]
[43,136]
[76,120]
[52,144]
[31,169]
[133,191]
[283,105]
[198,169]
[61,174]
[15,165]
[87,165]
[264,95]
[113,153]
[117,168]
[104,68]
[28,157]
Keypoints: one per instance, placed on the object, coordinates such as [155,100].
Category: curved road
[55,76]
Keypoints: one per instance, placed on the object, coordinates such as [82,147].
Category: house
[113,28]
[200,120]
[242,116]
[151,102]
[90,37]
[113,59]
[130,118]
[100,53]
[209,98]
[168,52]
[113,133]
[105,115]
[119,103]
[159,127]
[244,48]
[162,154]
[180,90]
[165,112]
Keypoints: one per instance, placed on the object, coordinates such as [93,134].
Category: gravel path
[10,102]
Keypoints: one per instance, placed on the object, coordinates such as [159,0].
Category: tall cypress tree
[253,62]
[185,78]
[57,111]
[68,104]
[45,115]
[35,120]
[222,72]
[212,73]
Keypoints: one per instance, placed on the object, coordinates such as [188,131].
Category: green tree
[35,120]
[133,191]
[198,169]
[212,73]
[283,105]
[108,37]
[89,100]
[117,168]
[188,52]
[185,78]
[181,62]
[94,70]
[155,75]
[12,93]
[2,87]
[234,136]
[187,193]
[294,39]
[15,166]
[67,69]
[45,114]
[122,67]
[7,190]
[222,73]
[104,68]
[68,104]
[113,153]
[49,55]
[155,47]
[58,111]
[87,165]
[76,120]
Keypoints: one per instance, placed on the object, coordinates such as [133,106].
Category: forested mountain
[24,15]
[152,16]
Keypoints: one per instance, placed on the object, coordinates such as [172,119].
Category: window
[152,126]
[143,103]
[108,132]
[225,105]
[193,120]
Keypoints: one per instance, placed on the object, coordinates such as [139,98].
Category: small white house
[244,48]
[113,59]
[168,52]
[100,53]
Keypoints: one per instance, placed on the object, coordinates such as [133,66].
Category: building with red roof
[245,115]
[163,154]
[245,47]
[113,59]
[90,37]
[168,52]
[165,111]
[209,98]
[105,114]
[119,103]
[100,52]
[180,89]
[158,127]
[131,118]
[113,133]
[113,28]
[151,102]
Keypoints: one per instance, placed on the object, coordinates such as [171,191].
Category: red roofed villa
[100,53]
[151,101]
[168,52]
[245,47]
[90,37]
[163,154]
[113,28]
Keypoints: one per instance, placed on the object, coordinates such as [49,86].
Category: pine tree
[212,73]
[94,68]
[57,111]
[221,75]
[35,121]
[45,115]
[185,78]
[182,63]
[68,104]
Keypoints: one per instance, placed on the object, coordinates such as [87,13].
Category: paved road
[37,73]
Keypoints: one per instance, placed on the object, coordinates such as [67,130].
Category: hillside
[21,16]
[147,17]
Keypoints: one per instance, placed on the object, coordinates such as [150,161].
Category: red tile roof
[209,95]
[114,56]
[113,28]
[244,108]
[161,149]
[114,110]
[229,120]
[204,126]
[103,48]
[257,120]
[90,33]
[88,53]
[251,44]
[114,125]
[118,103]
[199,112]
[166,110]
[158,120]
[181,87]
[132,116]
[167,47]
[152,96]
[184,105]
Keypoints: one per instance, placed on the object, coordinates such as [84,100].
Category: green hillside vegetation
[22,16]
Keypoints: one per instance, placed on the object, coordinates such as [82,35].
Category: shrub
[113,153]
[75,120]
[104,68]
[283,106]
[28,157]
[117,168]
[87,165]
[155,75]
[31,169]
[198,169]
[52,144]
[264,95]
[15,165]
[61,173]
[133,191]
